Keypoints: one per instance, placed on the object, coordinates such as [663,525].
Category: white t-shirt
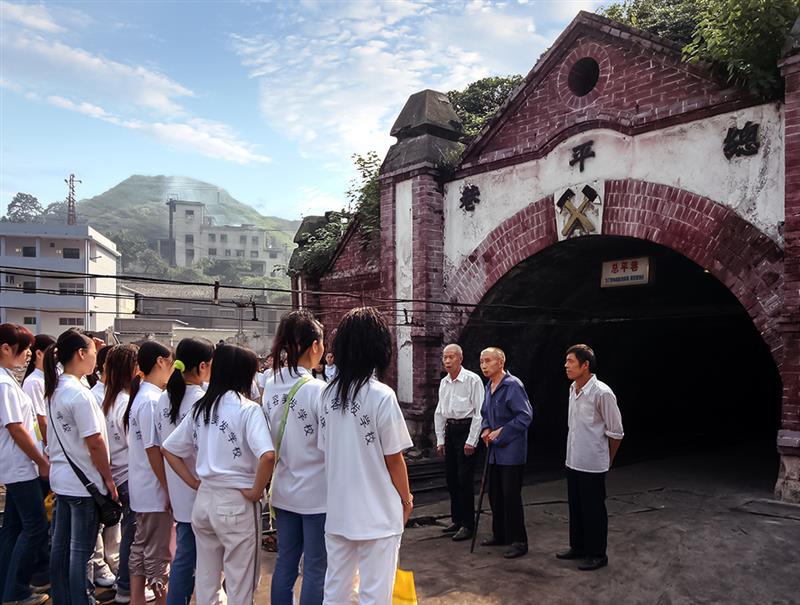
[118,438]
[299,478]
[331,371]
[228,447]
[99,392]
[263,377]
[15,406]
[147,495]
[33,385]
[74,416]
[355,435]
[181,495]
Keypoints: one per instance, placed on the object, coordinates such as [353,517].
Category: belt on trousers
[458,421]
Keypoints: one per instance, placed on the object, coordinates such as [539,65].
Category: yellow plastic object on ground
[49,504]
[404,593]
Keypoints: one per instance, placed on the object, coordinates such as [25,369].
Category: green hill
[138,204]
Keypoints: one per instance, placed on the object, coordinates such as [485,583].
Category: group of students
[178,439]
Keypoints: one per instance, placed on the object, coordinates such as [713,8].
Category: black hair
[232,369]
[120,367]
[363,344]
[94,377]
[296,332]
[191,352]
[147,357]
[40,343]
[62,351]
[584,353]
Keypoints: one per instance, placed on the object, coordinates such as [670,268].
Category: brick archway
[713,236]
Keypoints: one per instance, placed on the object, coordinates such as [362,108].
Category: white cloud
[312,200]
[335,80]
[32,16]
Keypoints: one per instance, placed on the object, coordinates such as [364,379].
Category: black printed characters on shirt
[354,408]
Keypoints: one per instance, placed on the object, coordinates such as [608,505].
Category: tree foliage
[480,100]
[364,195]
[131,246]
[24,208]
[742,39]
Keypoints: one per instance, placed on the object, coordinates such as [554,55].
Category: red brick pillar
[788,485]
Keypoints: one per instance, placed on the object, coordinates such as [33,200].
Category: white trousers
[375,561]
[227,530]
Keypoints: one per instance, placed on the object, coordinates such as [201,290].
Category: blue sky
[268,100]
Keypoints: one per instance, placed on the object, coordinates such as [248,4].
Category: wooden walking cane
[480,500]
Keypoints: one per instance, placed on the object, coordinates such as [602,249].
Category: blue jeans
[299,535]
[181,575]
[75,532]
[24,530]
[128,530]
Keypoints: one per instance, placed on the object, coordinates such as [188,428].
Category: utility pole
[72,215]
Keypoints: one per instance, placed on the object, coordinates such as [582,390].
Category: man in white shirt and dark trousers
[457,422]
[595,433]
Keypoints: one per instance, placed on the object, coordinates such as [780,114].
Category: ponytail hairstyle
[40,343]
[189,354]
[147,357]
[296,332]
[62,351]
[119,370]
[232,369]
[94,377]
[362,345]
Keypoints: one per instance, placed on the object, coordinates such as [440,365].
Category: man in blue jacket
[506,415]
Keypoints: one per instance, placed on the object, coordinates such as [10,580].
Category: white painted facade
[404,289]
[687,156]
[48,302]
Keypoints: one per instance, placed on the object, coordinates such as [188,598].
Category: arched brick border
[713,236]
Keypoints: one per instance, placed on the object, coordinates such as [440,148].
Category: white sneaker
[104,578]
[125,597]
[149,595]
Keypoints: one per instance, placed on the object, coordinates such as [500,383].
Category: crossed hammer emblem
[577,216]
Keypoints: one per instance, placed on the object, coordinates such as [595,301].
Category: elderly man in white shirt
[595,433]
[457,422]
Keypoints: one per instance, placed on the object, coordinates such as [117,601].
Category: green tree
[152,263]
[228,272]
[480,100]
[672,19]
[24,208]
[131,246]
[364,195]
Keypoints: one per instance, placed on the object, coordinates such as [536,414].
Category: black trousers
[588,518]
[460,470]
[505,497]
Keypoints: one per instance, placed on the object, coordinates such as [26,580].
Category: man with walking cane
[506,415]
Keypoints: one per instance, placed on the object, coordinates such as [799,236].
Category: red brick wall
[711,235]
[791,321]
[639,89]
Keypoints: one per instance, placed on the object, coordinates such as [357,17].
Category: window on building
[242,239]
[190,256]
[272,316]
[254,240]
[149,309]
[28,250]
[189,214]
[174,311]
[29,321]
[257,266]
[200,311]
[273,255]
[70,287]
[227,252]
[223,237]
[29,287]
[240,253]
[212,237]
[9,279]
[253,253]
[212,251]
[227,313]
[70,321]
[189,239]
[72,253]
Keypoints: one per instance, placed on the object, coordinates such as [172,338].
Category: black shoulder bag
[109,511]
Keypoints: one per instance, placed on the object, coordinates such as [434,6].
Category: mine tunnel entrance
[688,366]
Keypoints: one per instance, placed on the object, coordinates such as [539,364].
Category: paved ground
[692,529]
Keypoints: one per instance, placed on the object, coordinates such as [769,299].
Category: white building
[193,236]
[37,285]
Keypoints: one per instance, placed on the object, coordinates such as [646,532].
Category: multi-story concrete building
[193,236]
[43,282]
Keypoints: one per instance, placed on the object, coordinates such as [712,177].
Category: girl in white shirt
[119,371]
[230,438]
[33,385]
[147,480]
[78,431]
[22,463]
[363,434]
[298,484]
[192,368]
